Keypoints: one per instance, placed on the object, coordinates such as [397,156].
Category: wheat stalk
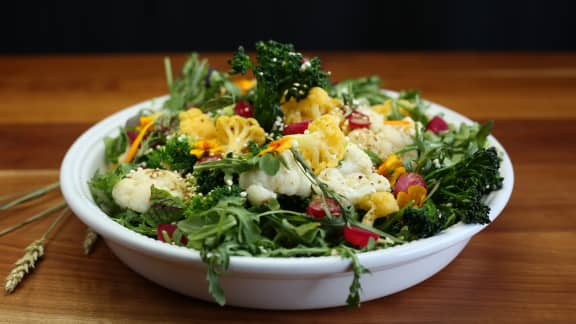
[33,218]
[89,241]
[30,196]
[34,252]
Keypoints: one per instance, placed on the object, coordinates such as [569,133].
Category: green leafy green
[462,186]
[367,88]
[197,85]
[164,208]
[115,146]
[173,155]
[269,163]
[101,186]
[280,73]
[353,299]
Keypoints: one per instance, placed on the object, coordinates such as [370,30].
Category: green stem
[31,219]
[31,195]
[60,217]
[168,69]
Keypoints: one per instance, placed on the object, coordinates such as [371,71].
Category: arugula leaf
[197,85]
[358,269]
[115,146]
[367,88]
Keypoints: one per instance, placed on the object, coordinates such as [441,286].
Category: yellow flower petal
[392,168]
[415,193]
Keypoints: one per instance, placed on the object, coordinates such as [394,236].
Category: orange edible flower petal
[279,145]
[415,193]
[245,84]
[202,147]
[134,147]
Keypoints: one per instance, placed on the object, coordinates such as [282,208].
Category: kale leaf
[280,73]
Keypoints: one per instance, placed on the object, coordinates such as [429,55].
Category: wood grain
[521,269]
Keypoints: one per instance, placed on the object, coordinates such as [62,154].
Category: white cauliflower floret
[376,119]
[355,160]
[258,195]
[355,185]
[388,140]
[354,178]
[289,180]
[133,191]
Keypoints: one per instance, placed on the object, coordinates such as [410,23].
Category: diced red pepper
[296,128]
[358,236]
[169,229]
[244,109]
[407,180]
[357,119]
[316,208]
[437,125]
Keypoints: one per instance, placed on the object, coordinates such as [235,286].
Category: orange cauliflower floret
[324,145]
[197,125]
[316,104]
[235,132]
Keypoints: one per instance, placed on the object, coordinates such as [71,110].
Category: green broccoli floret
[280,71]
[173,155]
[462,186]
[424,221]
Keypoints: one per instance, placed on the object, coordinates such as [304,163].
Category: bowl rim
[76,193]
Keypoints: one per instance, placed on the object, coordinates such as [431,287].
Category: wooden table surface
[522,268]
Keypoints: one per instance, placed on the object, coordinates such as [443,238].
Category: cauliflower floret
[355,185]
[355,160]
[376,119]
[378,204]
[316,104]
[134,190]
[197,124]
[289,180]
[324,146]
[258,195]
[388,140]
[235,132]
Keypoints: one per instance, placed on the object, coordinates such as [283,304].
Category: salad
[272,159]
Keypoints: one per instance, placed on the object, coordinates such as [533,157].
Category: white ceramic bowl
[266,283]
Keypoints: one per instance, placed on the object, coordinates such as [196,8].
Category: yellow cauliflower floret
[324,145]
[378,204]
[235,132]
[316,104]
[386,108]
[197,124]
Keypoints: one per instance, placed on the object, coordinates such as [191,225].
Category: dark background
[128,26]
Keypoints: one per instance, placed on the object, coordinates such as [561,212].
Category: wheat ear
[89,241]
[33,253]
